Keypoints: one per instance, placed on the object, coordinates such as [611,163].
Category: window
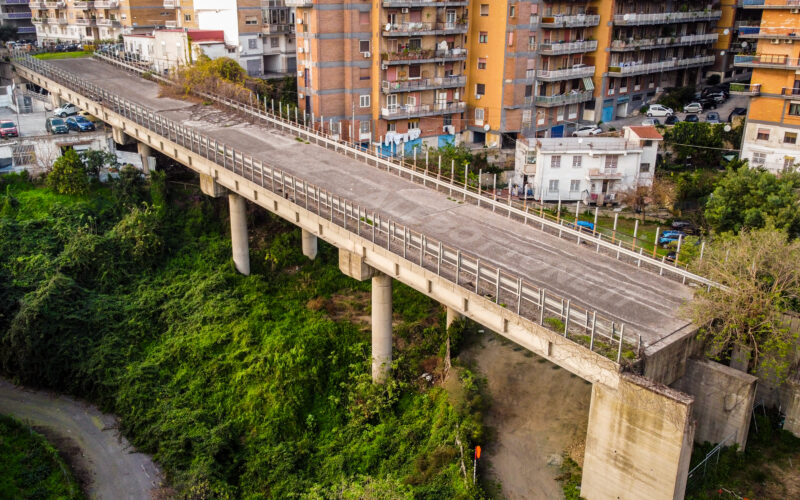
[479,114]
[480,88]
[274,42]
[762,134]
[250,20]
[644,168]
[555,161]
[790,138]
[413,124]
[552,186]
[484,9]
[187,17]
[481,63]
[531,43]
[363,101]
[577,161]
[530,156]
[363,18]
[252,43]
[611,162]
[415,71]
[364,73]
[512,11]
[510,38]
[647,143]
[575,185]
[447,120]
[363,45]
[391,127]
[788,163]
[483,37]
[364,126]
[759,158]
[415,44]
[794,109]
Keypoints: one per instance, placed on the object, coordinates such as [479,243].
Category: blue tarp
[446,139]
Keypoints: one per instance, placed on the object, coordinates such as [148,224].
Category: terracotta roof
[646,132]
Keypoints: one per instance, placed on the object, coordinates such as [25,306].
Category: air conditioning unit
[384,67]
[478,96]
[795,11]
[299,20]
[775,41]
[404,10]
[366,55]
[789,42]
[299,73]
[301,95]
[300,50]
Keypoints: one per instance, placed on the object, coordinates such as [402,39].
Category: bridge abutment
[241,250]
[638,442]
[309,244]
[381,327]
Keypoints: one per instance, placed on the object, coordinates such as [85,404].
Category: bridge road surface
[647,303]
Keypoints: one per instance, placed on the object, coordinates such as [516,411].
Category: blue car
[668,237]
[80,124]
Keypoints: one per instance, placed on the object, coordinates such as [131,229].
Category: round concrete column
[381,327]
[452,315]
[241,251]
[145,151]
[309,245]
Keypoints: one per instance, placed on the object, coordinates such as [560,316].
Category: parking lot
[31,124]
[724,109]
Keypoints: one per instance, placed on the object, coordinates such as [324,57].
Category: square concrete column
[146,152]
[241,250]
[381,327]
[120,137]
[309,245]
[452,315]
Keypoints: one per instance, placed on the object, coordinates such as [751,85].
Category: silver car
[586,131]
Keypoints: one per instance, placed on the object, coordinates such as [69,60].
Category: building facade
[594,170]
[17,13]
[172,48]
[773,117]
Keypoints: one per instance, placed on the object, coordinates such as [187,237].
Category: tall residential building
[90,21]
[773,117]
[737,18]
[17,13]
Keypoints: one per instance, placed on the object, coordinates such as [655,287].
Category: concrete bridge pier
[241,249]
[452,315]
[55,100]
[309,245]
[120,137]
[146,152]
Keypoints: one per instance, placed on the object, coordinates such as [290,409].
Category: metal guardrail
[518,210]
[580,325]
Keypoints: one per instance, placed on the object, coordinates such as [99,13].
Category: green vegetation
[31,467]
[63,55]
[570,478]
[252,387]
[700,145]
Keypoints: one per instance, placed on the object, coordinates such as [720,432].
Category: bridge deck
[647,303]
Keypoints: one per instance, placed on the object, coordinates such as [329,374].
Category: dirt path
[101,458]
[538,411]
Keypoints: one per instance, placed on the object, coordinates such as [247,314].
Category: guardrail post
[542,299]
[655,242]
[635,231]
[594,325]
[621,335]
[566,320]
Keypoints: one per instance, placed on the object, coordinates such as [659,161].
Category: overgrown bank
[239,386]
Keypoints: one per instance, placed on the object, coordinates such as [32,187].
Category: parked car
[56,126]
[685,226]
[708,103]
[582,226]
[650,122]
[80,124]
[669,236]
[659,110]
[691,119]
[737,112]
[671,120]
[8,129]
[718,97]
[587,130]
[712,117]
[66,110]
[89,117]
[694,107]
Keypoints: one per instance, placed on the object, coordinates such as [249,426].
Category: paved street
[724,109]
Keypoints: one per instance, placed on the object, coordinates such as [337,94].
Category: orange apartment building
[773,116]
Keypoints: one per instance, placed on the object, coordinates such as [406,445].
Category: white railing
[423,109]
[635,68]
[562,74]
[574,21]
[666,17]
[551,48]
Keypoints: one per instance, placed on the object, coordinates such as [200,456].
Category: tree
[661,193]
[8,32]
[760,270]
[129,187]
[68,175]
[95,159]
[753,198]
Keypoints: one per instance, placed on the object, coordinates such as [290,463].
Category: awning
[588,83]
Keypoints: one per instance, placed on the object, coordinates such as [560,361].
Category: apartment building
[17,13]
[737,17]
[773,117]
[89,21]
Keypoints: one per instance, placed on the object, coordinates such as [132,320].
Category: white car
[66,110]
[658,110]
[694,107]
[586,131]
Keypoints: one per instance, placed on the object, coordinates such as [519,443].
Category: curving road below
[113,469]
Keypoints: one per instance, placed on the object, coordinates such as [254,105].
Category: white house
[170,48]
[770,146]
[590,169]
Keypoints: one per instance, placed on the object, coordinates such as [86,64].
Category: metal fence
[583,326]
[708,465]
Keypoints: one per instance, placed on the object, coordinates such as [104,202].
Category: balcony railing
[110,4]
[83,5]
[299,3]
[770,4]
[83,21]
[109,22]
[421,56]
[666,17]
[425,3]
[424,84]
[578,71]
[271,29]
[40,20]
[766,61]
[636,68]
[664,41]
[560,100]
[551,48]
[407,111]
[790,92]
[56,5]
[596,173]
[401,29]
[769,32]
[575,21]
[17,15]
[38,5]
[169,4]
[15,2]
[751,89]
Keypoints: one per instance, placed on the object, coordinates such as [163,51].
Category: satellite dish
[727,128]
[626,17]
[486,127]
[722,52]
[726,31]
[744,45]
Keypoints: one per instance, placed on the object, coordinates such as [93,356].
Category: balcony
[82,21]
[398,112]
[638,68]
[665,41]
[299,3]
[772,4]
[16,15]
[169,4]
[555,48]
[577,71]
[549,101]
[111,4]
[83,5]
[40,20]
[424,84]
[14,2]
[766,61]
[767,32]
[109,23]
[425,3]
[576,21]
[424,56]
[272,29]
[596,173]
[666,17]
[37,5]
[438,28]
[55,5]
[753,89]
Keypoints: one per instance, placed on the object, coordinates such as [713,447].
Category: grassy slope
[63,55]
[31,468]
[240,386]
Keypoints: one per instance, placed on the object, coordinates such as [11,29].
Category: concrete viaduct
[479,257]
